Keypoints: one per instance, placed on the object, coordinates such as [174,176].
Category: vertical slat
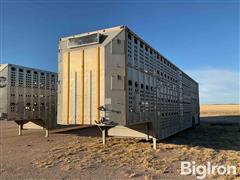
[68,88]
[98,85]
[83,87]
[126,79]
[75,101]
[90,96]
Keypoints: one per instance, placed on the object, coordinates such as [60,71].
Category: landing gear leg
[154,143]
[147,129]
[104,136]
[104,133]
[20,128]
[47,133]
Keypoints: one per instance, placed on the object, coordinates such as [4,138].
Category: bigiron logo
[201,171]
[3,82]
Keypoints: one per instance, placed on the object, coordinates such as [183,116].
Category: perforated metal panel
[164,95]
[31,95]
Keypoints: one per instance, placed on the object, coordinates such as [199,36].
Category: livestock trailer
[114,79]
[28,95]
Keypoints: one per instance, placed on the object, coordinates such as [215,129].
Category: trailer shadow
[218,133]
[90,131]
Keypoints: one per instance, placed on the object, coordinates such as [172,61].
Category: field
[79,154]
[220,110]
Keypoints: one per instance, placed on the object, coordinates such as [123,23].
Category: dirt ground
[79,154]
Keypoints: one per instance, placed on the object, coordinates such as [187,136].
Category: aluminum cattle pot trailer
[114,79]
[28,96]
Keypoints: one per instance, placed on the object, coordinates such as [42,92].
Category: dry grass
[218,144]
[136,157]
[220,110]
[76,154]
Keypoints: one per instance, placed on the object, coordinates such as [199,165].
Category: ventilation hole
[136,84]
[129,82]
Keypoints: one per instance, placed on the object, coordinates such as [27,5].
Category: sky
[200,37]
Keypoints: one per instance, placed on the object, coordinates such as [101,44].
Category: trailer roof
[93,32]
[109,30]
[24,67]
[131,32]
